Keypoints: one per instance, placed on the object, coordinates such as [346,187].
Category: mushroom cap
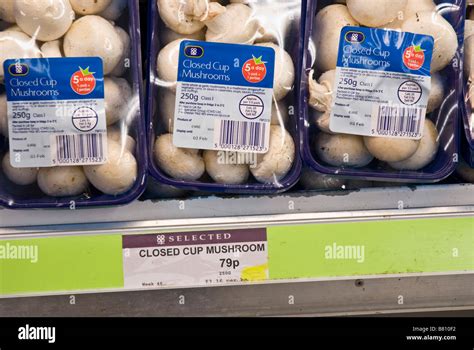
[468,28]
[117,94]
[445,38]
[223,173]
[52,49]
[321,92]
[342,150]
[90,7]
[327,31]
[167,64]
[425,153]
[311,180]
[389,149]
[414,6]
[371,14]
[167,35]
[436,93]
[121,67]
[114,10]
[179,163]
[234,25]
[118,174]
[280,114]
[19,176]
[63,181]
[3,115]
[468,57]
[116,134]
[284,76]
[166,107]
[104,41]
[7,11]
[16,45]
[322,120]
[45,20]
[274,165]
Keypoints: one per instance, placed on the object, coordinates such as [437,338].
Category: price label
[201,258]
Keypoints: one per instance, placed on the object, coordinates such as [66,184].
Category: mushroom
[445,37]
[121,137]
[167,35]
[468,28]
[114,10]
[179,163]
[371,14]
[342,150]
[468,58]
[92,36]
[235,25]
[221,172]
[166,105]
[117,94]
[117,175]
[320,92]
[311,180]
[425,152]
[167,64]
[279,113]
[274,165]
[19,176]
[90,7]
[3,115]
[44,20]
[16,45]
[390,149]
[7,11]
[188,17]
[436,93]
[51,49]
[62,181]
[412,7]
[284,76]
[124,61]
[327,31]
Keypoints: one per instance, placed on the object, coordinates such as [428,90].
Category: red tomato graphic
[83,82]
[254,70]
[414,57]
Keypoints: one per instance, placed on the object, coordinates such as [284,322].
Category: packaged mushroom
[467,108]
[71,131]
[222,94]
[380,88]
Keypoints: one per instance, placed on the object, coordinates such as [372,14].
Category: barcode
[398,120]
[79,149]
[243,136]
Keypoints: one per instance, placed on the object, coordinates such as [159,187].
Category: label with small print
[56,113]
[224,97]
[202,258]
[382,83]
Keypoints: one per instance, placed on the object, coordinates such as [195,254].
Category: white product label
[224,97]
[195,258]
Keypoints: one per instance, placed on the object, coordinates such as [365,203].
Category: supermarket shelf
[353,296]
[217,212]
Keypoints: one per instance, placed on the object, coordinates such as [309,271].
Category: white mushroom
[445,38]
[436,93]
[274,165]
[62,181]
[375,14]
[114,10]
[167,35]
[92,36]
[166,107]
[468,58]
[121,137]
[425,153]
[124,61]
[468,28]
[320,92]
[16,45]
[19,176]
[7,11]
[235,25]
[118,174]
[280,113]
[117,94]
[51,49]
[342,150]
[179,163]
[311,180]
[3,115]
[167,64]
[322,121]
[188,17]
[328,25]
[222,171]
[44,20]
[284,76]
[90,7]
[391,149]
[412,7]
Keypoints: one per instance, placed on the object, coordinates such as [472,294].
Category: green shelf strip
[94,262]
